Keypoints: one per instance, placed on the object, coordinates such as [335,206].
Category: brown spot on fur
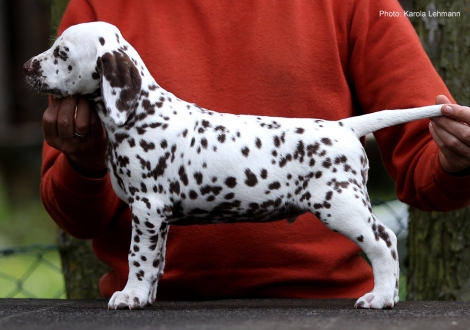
[251,179]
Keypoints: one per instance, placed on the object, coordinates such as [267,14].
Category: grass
[31,274]
[27,268]
[402,287]
[27,224]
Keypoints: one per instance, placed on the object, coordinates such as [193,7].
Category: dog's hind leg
[379,243]
[346,209]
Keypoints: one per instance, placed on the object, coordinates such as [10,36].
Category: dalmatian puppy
[176,163]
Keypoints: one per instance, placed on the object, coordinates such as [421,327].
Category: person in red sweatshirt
[327,59]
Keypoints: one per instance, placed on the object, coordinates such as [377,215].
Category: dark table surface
[21,314]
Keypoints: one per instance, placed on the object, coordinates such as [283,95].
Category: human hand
[71,126]
[452,135]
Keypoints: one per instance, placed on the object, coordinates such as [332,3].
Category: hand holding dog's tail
[365,124]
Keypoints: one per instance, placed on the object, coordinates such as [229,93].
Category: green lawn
[34,272]
[29,268]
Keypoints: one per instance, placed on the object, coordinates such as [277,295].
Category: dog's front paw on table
[374,300]
[127,300]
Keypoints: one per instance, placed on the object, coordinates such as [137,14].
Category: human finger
[454,153]
[66,117]
[455,128]
[49,120]
[442,99]
[456,112]
[452,135]
[82,118]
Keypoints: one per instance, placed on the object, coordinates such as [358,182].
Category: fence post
[438,249]
[82,270]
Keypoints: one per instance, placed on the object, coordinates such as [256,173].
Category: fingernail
[448,110]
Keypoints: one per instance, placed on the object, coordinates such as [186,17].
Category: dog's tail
[365,124]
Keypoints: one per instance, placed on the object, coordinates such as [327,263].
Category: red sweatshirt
[325,59]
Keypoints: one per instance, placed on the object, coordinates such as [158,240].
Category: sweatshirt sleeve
[81,206]
[389,69]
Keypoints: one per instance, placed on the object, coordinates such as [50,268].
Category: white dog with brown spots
[176,163]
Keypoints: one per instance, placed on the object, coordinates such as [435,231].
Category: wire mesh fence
[35,271]
[31,272]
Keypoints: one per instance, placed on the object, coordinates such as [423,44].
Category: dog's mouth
[33,71]
[43,88]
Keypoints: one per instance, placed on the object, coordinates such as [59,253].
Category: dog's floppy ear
[120,85]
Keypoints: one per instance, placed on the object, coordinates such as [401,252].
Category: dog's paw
[124,300]
[374,300]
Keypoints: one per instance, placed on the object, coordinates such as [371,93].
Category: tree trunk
[438,243]
[439,256]
[82,270]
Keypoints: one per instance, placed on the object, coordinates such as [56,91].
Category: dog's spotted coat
[176,163]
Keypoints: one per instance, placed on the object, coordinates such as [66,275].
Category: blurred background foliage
[24,31]
[29,262]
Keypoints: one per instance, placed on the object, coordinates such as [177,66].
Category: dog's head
[91,59]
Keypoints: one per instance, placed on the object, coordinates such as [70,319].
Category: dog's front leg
[146,256]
